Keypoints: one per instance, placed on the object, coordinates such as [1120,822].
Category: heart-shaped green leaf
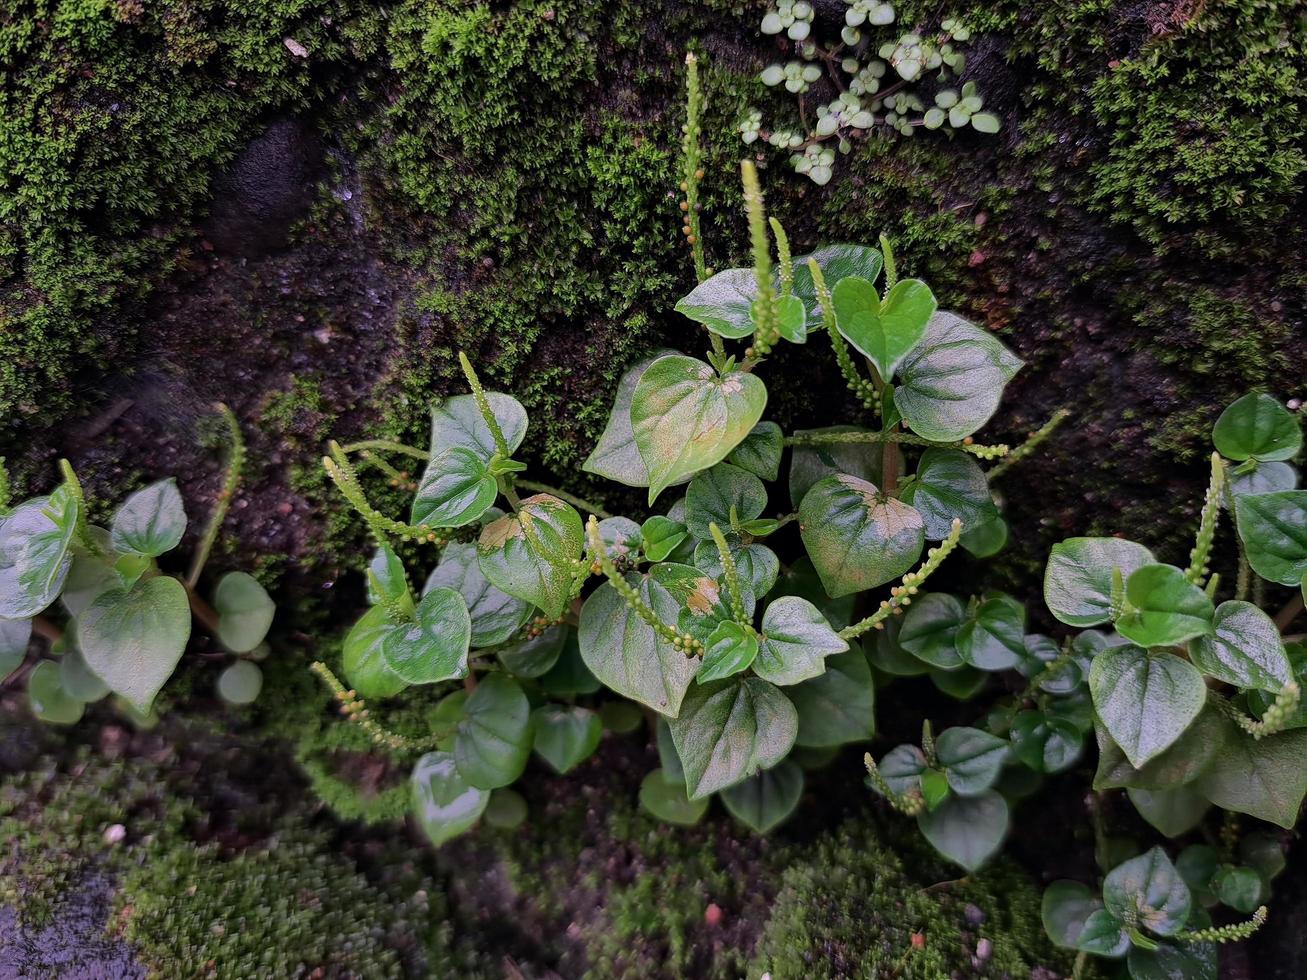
[839,705]
[365,668]
[949,484]
[663,795]
[1172,812]
[245,611]
[494,738]
[387,578]
[535,656]
[1145,700]
[1241,889]
[686,417]
[240,683]
[1148,890]
[615,456]
[801,579]
[457,423]
[1244,649]
[836,262]
[1189,960]
[660,536]
[133,638]
[1265,779]
[569,676]
[809,463]
[856,536]
[792,319]
[903,767]
[756,564]
[885,332]
[35,541]
[971,759]
[760,452]
[1257,427]
[1065,908]
[1273,527]
[496,615]
[731,648]
[723,303]
[796,640]
[764,800]
[714,494]
[729,730]
[951,382]
[1182,763]
[1044,743]
[993,636]
[455,490]
[1163,607]
[532,554]
[566,735]
[968,830]
[444,803]
[1104,935]
[1263,478]
[47,698]
[15,634]
[150,521]
[627,654]
[1078,577]
[930,630]
[433,647]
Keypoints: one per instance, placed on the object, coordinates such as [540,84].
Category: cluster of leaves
[127,622]
[865,102]
[1195,703]
[751,669]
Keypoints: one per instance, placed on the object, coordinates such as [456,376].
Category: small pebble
[115,833]
[712,915]
[975,915]
[984,950]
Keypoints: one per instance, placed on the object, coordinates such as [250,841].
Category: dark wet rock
[271,185]
[73,946]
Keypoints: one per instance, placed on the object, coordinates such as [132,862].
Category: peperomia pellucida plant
[110,619]
[873,86]
[1196,696]
[750,667]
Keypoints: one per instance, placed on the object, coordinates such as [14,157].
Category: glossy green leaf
[729,730]
[1174,961]
[1046,744]
[35,556]
[766,799]
[566,735]
[621,538]
[532,554]
[78,680]
[535,656]
[387,578]
[902,767]
[494,739]
[88,576]
[615,456]
[456,489]
[987,539]
[962,684]
[949,484]
[930,630]
[1078,577]
[48,699]
[801,579]
[687,418]
[731,648]
[756,564]
[1263,852]
[569,676]
[1263,478]
[951,383]
[1148,890]
[968,830]
[1172,812]
[1182,763]
[993,636]
[496,615]
[365,668]
[839,705]
[713,494]
[884,332]
[133,638]
[857,537]
[663,795]
[445,804]
[1040,652]
[1163,607]
[1265,779]
[796,639]
[1273,527]
[1257,427]
[1244,649]
[792,319]
[1103,935]
[15,634]
[760,452]
[723,303]
[150,521]
[626,653]
[245,611]
[971,759]
[837,262]
[1145,700]
[457,423]
[886,654]
[808,464]
[1241,889]
[433,647]
[1065,908]
[667,757]
[660,536]
[240,683]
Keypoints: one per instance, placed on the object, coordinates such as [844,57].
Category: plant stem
[1289,612]
[1030,445]
[901,595]
[231,479]
[575,501]
[483,403]
[691,156]
[906,438]
[387,446]
[201,610]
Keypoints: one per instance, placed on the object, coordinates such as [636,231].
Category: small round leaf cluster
[873,12]
[796,76]
[961,111]
[794,17]
[815,162]
[749,125]
[847,110]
